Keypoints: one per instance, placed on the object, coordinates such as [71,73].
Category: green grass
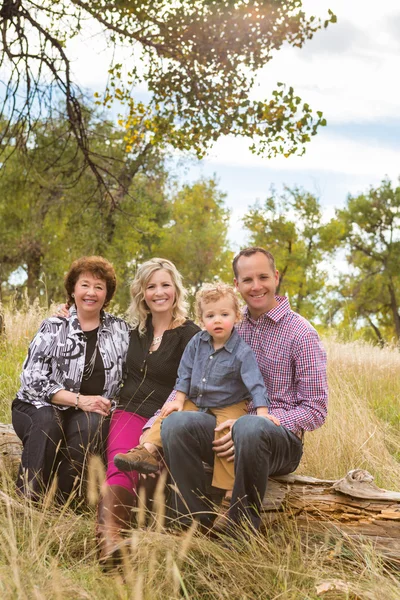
[51,553]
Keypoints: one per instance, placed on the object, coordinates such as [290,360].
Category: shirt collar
[229,345]
[76,326]
[275,314]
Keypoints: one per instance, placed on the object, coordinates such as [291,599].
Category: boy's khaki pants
[224,474]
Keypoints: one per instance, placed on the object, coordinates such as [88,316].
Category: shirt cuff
[52,390]
[181,387]
[260,401]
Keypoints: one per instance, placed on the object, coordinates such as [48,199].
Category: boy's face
[218,318]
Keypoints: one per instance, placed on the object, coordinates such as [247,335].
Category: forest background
[121,190]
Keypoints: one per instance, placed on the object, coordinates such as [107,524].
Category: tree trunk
[33,263]
[376,331]
[395,310]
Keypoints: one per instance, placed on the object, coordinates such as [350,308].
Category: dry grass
[50,553]
[363,426]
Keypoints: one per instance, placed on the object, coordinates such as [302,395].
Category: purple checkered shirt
[292,362]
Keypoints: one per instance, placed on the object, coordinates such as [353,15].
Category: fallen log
[352,506]
[10,448]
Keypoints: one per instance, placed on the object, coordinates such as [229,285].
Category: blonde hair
[139,311]
[212,292]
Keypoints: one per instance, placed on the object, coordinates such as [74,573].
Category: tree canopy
[196,237]
[370,225]
[197,58]
[289,225]
[49,215]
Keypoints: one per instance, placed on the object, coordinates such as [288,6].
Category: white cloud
[349,70]
[326,152]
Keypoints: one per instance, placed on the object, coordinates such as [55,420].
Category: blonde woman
[161,331]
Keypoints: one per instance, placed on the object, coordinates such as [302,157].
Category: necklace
[89,365]
[156,340]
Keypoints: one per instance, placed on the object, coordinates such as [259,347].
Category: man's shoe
[138,459]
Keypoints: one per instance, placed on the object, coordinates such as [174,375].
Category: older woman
[161,331]
[73,368]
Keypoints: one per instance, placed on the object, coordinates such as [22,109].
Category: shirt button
[210,357]
[200,395]
[204,379]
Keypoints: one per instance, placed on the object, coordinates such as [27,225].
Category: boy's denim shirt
[213,378]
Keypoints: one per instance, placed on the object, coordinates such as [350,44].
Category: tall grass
[51,553]
[363,425]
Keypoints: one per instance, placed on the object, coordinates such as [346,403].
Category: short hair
[138,310]
[212,292]
[98,267]
[249,252]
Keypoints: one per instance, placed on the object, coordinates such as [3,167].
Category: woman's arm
[96,404]
[37,384]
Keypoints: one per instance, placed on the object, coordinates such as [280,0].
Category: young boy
[218,373]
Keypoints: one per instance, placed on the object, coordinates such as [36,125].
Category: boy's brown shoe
[138,459]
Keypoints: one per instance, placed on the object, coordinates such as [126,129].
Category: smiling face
[89,295]
[257,283]
[159,292]
[219,317]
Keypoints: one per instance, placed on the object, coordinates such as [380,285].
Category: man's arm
[310,381]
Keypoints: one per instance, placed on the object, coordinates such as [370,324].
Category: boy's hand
[174,405]
[263,412]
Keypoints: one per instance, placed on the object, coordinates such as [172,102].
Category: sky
[350,71]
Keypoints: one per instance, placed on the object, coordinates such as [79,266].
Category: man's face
[257,283]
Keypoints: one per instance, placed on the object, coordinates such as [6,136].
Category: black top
[151,376]
[95,384]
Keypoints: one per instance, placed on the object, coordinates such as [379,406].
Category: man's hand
[224,446]
[174,405]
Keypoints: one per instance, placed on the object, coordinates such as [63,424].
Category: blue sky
[350,72]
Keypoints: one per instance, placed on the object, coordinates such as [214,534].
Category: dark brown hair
[249,252]
[98,267]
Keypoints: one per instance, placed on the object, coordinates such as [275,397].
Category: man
[293,364]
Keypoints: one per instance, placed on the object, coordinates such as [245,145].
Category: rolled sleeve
[253,380]
[150,422]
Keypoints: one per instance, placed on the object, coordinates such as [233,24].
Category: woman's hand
[96,404]
[62,311]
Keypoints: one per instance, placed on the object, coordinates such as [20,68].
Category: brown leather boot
[113,515]
[138,459]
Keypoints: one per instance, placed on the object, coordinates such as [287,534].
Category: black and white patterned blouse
[56,358]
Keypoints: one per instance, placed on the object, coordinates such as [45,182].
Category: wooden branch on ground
[353,506]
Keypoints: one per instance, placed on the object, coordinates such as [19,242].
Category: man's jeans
[262,449]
